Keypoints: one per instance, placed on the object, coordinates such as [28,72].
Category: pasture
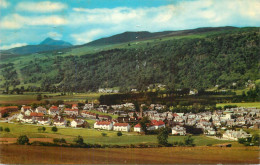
[247,105]
[94,136]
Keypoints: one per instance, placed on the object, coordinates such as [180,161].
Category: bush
[54,129]
[57,140]
[1,129]
[79,140]
[163,136]
[119,133]
[23,139]
[7,129]
[104,134]
[188,141]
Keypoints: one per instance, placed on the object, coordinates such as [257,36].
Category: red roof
[175,114]
[67,109]
[26,107]
[121,124]
[54,108]
[157,123]
[103,123]
[137,125]
[9,107]
[36,114]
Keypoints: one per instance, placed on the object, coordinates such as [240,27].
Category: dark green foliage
[1,129]
[7,129]
[39,97]
[79,140]
[162,137]
[23,139]
[119,133]
[54,129]
[104,134]
[189,141]
[144,122]
[59,140]
[41,129]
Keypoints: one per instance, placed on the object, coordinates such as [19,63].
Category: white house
[122,127]
[234,135]
[44,121]
[27,119]
[24,108]
[41,110]
[103,125]
[178,130]
[137,128]
[155,125]
[77,123]
[54,110]
[28,112]
[71,111]
[59,121]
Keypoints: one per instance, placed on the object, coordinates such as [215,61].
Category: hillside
[47,45]
[144,35]
[201,60]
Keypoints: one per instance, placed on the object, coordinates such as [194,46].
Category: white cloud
[55,35]
[4,4]
[16,21]
[43,7]
[5,47]
[87,36]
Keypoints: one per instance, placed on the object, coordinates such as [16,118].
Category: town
[226,124]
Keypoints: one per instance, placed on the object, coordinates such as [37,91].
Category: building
[155,125]
[78,123]
[178,130]
[235,135]
[122,127]
[54,110]
[41,110]
[59,121]
[104,125]
[138,128]
[71,111]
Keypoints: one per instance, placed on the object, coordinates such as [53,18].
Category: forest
[198,63]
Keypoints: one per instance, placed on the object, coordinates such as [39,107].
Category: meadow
[13,154]
[94,136]
[247,105]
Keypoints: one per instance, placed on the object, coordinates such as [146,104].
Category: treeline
[218,59]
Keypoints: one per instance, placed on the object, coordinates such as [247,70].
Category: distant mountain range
[48,44]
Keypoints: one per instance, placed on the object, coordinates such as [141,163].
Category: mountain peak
[50,41]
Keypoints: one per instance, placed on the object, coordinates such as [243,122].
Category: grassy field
[94,136]
[30,97]
[13,154]
[251,104]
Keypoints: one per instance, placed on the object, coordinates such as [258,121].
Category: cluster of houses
[128,120]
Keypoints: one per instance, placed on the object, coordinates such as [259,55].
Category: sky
[27,22]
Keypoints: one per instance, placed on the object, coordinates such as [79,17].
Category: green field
[94,136]
[251,104]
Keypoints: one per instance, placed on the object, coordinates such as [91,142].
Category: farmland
[251,104]
[13,154]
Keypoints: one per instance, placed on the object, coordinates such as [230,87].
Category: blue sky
[24,22]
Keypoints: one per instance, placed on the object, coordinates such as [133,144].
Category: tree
[1,129]
[162,137]
[7,129]
[23,139]
[144,123]
[39,97]
[188,141]
[79,140]
[54,129]
[119,133]
[43,129]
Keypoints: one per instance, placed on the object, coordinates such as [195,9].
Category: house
[28,112]
[71,111]
[28,119]
[59,121]
[43,121]
[78,123]
[103,125]
[54,110]
[138,128]
[178,130]
[41,110]
[19,117]
[155,125]
[24,108]
[235,135]
[122,127]
[3,112]
[104,117]
[75,106]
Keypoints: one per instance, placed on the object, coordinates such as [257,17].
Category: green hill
[201,58]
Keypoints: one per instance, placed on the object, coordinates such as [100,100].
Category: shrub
[79,140]
[43,129]
[163,136]
[7,129]
[104,134]
[57,140]
[119,133]
[1,129]
[189,141]
[54,129]
[23,139]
